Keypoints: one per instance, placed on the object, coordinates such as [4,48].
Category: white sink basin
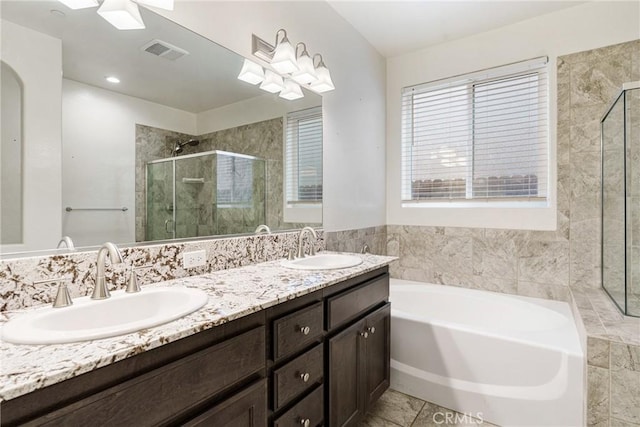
[89,319]
[323,262]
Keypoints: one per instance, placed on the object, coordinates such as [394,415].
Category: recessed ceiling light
[112,79]
[59,13]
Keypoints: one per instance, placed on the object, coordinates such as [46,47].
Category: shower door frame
[622,95]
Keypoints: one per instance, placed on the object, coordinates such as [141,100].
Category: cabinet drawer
[293,332]
[348,305]
[154,397]
[289,381]
[247,408]
[310,408]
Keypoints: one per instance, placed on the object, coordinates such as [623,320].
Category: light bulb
[251,72]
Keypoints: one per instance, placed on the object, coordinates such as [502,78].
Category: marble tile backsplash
[18,275]
[354,240]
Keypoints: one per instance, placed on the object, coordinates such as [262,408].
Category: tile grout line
[424,403]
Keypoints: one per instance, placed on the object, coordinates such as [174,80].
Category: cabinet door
[377,353]
[346,372]
[247,408]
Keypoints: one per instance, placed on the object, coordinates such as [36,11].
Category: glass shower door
[613,204]
[195,190]
[159,218]
[632,143]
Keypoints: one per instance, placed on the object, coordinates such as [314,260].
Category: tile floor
[395,409]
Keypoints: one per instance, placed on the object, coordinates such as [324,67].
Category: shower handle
[166,226]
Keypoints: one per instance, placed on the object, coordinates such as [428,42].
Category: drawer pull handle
[372,330]
[305,330]
[305,377]
[364,334]
[305,422]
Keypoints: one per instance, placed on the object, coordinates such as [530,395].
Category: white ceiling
[92,49]
[397,27]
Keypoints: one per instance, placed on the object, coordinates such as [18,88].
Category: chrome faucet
[100,291]
[262,228]
[65,241]
[300,242]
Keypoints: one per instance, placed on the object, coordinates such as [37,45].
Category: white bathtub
[512,361]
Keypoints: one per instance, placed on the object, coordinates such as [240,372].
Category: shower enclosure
[620,130]
[204,194]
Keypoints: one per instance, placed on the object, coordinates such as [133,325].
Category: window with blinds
[303,156]
[234,180]
[482,136]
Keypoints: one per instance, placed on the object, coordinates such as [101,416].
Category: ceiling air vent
[164,50]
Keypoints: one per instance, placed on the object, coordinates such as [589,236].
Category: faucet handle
[63,299]
[291,256]
[132,284]
[312,249]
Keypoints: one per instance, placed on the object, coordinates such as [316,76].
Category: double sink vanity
[299,342]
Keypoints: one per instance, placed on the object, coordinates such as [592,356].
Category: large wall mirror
[160,140]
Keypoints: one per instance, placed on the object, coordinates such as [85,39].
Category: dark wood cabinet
[377,354]
[245,409]
[306,413]
[297,376]
[320,359]
[359,355]
[346,373]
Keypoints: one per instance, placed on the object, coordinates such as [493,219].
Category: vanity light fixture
[291,90]
[112,79]
[284,55]
[251,72]
[272,82]
[122,14]
[324,82]
[285,60]
[79,4]
[306,71]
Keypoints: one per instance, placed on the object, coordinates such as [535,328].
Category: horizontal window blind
[480,136]
[303,156]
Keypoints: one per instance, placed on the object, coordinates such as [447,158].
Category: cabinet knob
[305,330]
[305,377]
[372,330]
[306,422]
[364,334]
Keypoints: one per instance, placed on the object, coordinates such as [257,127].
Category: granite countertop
[232,294]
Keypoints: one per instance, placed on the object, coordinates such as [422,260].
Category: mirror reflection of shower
[178,146]
[204,194]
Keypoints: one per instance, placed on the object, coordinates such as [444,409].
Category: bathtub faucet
[304,231]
